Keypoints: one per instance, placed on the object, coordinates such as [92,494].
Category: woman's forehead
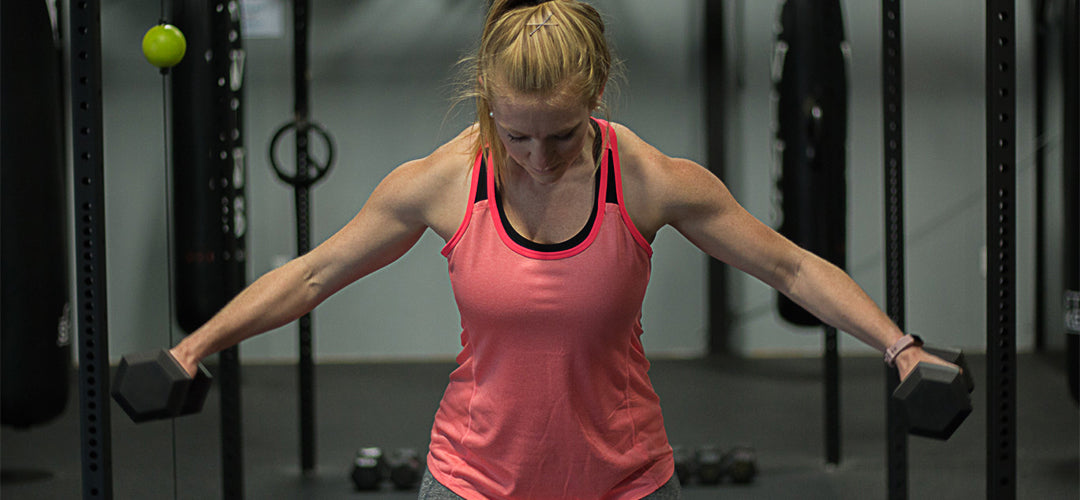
[546,103]
[528,112]
[564,94]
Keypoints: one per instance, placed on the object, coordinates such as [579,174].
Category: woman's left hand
[912,356]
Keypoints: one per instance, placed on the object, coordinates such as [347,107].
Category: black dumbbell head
[406,469]
[685,464]
[935,399]
[956,357]
[369,469]
[740,464]
[150,385]
[710,470]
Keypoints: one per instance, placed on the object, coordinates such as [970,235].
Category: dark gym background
[381,82]
[381,77]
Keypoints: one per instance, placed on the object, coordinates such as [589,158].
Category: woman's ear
[599,99]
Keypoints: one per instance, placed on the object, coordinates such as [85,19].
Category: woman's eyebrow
[566,131]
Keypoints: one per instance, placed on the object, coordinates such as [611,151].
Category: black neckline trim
[574,241]
[581,235]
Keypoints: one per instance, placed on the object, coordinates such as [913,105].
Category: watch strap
[902,343]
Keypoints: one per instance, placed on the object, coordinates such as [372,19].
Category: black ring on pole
[315,170]
[89,192]
[1001,248]
[896,450]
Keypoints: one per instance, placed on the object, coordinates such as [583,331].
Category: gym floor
[773,405]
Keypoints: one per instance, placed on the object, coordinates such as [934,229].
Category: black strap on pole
[892,102]
[1001,249]
[308,172]
[89,193]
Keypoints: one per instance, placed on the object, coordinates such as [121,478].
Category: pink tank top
[551,398]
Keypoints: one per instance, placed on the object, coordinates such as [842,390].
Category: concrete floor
[772,405]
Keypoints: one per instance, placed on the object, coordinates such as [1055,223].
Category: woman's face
[543,135]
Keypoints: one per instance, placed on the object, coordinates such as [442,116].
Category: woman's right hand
[189,365]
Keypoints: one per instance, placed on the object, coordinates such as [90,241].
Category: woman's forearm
[277,298]
[830,294]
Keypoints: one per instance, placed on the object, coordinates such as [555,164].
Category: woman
[548,215]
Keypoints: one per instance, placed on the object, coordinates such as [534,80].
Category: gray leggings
[430,489]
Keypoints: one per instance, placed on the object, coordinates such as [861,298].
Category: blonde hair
[539,48]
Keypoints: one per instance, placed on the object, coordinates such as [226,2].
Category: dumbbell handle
[956,357]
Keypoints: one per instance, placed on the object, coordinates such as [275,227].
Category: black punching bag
[1070,69]
[208,164]
[35,316]
[810,82]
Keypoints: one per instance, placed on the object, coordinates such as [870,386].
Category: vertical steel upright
[715,107]
[301,81]
[1001,249]
[893,107]
[92,337]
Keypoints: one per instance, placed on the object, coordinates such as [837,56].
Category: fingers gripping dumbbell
[153,385]
[937,398]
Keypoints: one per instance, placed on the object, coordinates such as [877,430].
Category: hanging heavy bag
[1071,180]
[36,317]
[811,85]
[208,169]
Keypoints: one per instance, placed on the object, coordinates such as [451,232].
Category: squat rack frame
[92,337]
[1000,60]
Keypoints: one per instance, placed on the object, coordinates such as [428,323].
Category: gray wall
[381,75]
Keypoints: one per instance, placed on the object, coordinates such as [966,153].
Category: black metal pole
[228,47]
[301,80]
[832,397]
[715,69]
[1001,245]
[1042,29]
[89,192]
[892,102]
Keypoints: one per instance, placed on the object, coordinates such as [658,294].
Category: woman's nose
[542,154]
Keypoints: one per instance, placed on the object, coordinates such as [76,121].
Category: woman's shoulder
[435,188]
[638,159]
[452,158]
[656,185]
[446,166]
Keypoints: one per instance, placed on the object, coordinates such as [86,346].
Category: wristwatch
[901,344]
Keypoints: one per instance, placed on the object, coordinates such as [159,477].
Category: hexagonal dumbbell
[937,398]
[710,468]
[152,385]
[406,468]
[685,464]
[740,464]
[369,469]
